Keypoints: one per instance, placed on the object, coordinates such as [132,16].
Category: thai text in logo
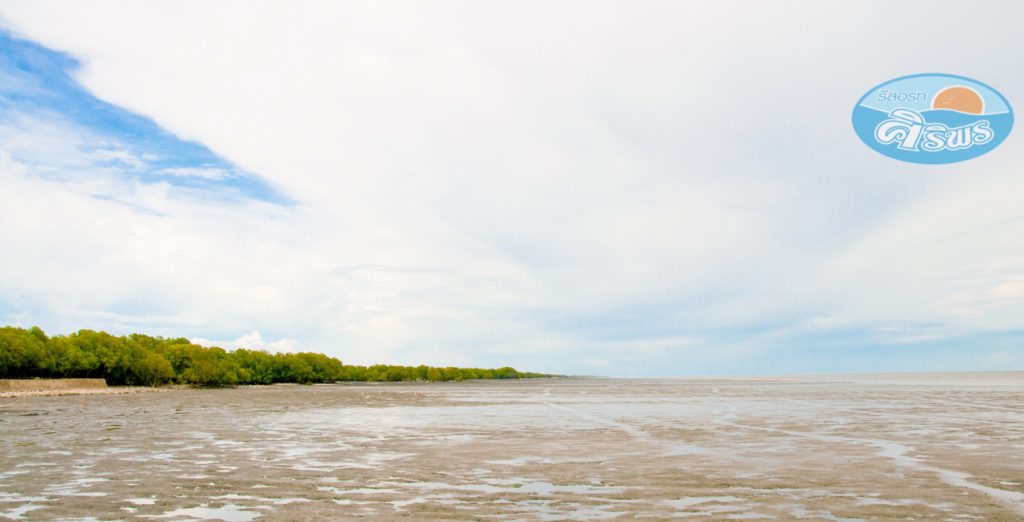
[932,118]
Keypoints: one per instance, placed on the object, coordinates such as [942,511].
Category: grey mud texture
[931,447]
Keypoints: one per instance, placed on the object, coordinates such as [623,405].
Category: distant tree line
[142,360]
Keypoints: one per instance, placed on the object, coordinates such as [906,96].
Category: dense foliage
[150,361]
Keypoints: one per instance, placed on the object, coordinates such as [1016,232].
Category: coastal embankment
[45,387]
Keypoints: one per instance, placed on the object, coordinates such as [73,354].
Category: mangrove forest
[143,360]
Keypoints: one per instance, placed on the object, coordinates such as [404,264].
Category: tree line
[143,360]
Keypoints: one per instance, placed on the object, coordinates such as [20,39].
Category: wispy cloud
[212,173]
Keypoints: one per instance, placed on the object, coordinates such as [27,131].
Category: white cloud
[121,156]
[666,172]
[253,341]
[1009,290]
[196,172]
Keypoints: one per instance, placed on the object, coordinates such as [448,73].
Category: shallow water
[825,448]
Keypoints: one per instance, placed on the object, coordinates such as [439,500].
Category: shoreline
[113,390]
[127,390]
[969,378]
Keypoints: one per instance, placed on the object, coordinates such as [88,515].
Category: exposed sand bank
[15,385]
[10,388]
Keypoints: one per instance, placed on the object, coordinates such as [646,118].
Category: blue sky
[37,84]
[583,188]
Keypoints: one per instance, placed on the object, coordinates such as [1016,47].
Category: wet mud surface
[935,447]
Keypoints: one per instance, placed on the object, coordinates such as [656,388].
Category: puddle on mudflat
[274,501]
[687,502]
[19,512]
[75,488]
[227,513]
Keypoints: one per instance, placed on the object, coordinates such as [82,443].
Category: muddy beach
[935,447]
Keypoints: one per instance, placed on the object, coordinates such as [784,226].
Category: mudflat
[928,446]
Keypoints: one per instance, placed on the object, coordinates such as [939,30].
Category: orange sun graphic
[959,98]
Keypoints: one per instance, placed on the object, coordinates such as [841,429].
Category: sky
[579,187]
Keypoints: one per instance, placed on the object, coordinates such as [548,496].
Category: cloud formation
[574,187]
[253,341]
